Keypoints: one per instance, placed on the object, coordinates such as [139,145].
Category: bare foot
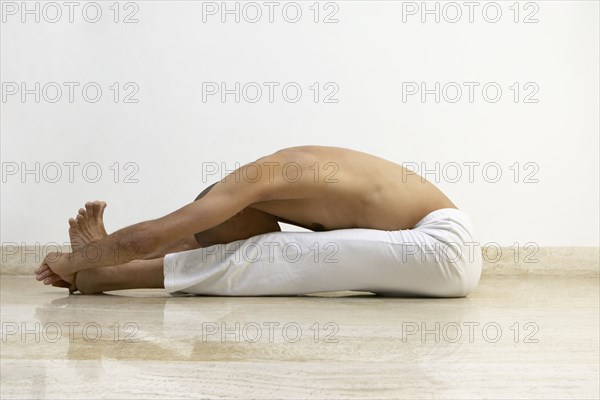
[51,273]
[88,226]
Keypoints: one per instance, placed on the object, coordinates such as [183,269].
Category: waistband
[445,213]
[445,223]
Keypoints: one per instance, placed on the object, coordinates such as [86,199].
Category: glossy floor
[513,338]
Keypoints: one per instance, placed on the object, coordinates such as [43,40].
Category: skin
[316,187]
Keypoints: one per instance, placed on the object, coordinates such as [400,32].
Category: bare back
[326,188]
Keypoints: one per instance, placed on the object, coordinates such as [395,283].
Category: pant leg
[405,262]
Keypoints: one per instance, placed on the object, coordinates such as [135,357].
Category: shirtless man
[377,227]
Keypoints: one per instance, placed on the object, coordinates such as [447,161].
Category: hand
[50,271]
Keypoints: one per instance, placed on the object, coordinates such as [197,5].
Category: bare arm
[145,239]
[189,243]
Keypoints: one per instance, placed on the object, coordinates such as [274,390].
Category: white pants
[438,257]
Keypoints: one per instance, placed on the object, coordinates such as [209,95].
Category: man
[376,227]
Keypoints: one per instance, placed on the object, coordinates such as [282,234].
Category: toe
[89,208]
[82,212]
[62,284]
[72,223]
[96,206]
[80,219]
[101,210]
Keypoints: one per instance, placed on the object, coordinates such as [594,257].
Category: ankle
[85,282]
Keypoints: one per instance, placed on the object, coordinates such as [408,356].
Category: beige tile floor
[515,337]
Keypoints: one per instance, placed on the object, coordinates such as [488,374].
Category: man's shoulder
[289,173]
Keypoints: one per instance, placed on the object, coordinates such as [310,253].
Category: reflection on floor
[515,337]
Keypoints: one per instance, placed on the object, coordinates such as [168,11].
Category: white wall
[368,54]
